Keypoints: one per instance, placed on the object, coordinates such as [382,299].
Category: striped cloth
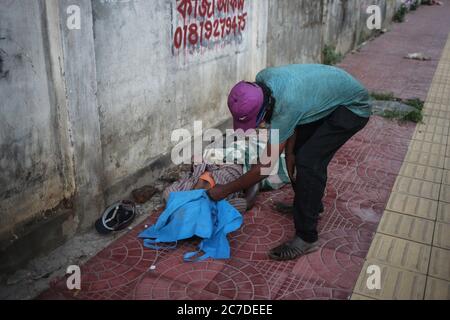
[246,152]
[222,174]
[236,152]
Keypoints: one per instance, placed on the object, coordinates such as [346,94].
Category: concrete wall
[298,30]
[294,32]
[86,115]
[33,170]
[153,88]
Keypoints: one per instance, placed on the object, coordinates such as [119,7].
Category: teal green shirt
[305,93]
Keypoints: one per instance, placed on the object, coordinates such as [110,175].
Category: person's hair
[269,102]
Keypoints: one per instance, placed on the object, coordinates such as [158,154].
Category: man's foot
[293,250]
[289,209]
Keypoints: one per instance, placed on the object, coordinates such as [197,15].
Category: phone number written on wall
[213,20]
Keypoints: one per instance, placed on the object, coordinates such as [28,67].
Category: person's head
[246,104]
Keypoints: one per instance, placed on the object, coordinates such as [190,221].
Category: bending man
[316,110]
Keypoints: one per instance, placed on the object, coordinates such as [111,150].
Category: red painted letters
[206,21]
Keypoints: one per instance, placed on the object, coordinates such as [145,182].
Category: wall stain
[3,73]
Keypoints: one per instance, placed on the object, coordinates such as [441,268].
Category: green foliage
[331,56]
[400,14]
[415,115]
[415,103]
[414,5]
[383,96]
[412,116]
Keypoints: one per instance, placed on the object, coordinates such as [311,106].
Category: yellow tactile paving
[445,193]
[416,187]
[443,212]
[433,129]
[437,98]
[436,106]
[438,113]
[436,93]
[427,147]
[442,236]
[426,159]
[440,264]
[447,163]
[437,289]
[400,253]
[412,243]
[415,206]
[360,297]
[430,120]
[446,177]
[407,227]
[420,172]
[430,137]
[396,284]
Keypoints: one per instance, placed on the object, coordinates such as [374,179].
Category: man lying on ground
[215,172]
[207,176]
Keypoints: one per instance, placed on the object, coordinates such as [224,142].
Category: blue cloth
[193,213]
[305,93]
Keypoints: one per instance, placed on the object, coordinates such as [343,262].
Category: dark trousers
[316,145]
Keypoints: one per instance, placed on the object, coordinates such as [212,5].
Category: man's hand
[290,164]
[248,180]
[217,193]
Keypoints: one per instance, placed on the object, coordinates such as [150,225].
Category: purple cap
[245,102]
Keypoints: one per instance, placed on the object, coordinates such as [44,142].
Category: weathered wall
[294,33]
[341,23]
[86,115]
[31,156]
[298,30]
[154,87]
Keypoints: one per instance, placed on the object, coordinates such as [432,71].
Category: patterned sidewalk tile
[417,188]
[380,64]
[407,227]
[396,284]
[406,204]
[420,172]
[444,212]
[442,236]
[434,121]
[437,289]
[360,297]
[430,137]
[433,129]
[446,177]
[399,253]
[427,147]
[445,193]
[361,178]
[439,265]
[426,159]
[355,199]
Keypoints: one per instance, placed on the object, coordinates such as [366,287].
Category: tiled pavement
[368,177]
[360,179]
[412,243]
[381,66]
